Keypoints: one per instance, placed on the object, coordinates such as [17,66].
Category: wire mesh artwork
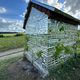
[49,41]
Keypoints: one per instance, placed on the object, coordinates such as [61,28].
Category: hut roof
[51,11]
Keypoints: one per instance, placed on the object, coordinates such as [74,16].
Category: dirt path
[9,52]
[19,70]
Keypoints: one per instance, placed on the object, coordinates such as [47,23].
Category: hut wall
[47,41]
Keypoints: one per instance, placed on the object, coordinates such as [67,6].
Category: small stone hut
[50,36]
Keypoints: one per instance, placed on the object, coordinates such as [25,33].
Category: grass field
[12,69]
[69,70]
[8,34]
[4,64]
[11,42]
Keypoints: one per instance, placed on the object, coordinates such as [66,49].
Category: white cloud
[58,5]
[74,4]
[72,7]
[23,15]
[8,25]
[26,1]
[2,10]
[54,3]
[2,20]
[50,2]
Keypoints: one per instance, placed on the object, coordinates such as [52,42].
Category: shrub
[39,54]
[26,47]
[19,34]
[1,35]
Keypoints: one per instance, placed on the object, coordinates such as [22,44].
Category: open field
[11,42]
[12,69]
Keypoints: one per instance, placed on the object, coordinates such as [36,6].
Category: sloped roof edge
[50,8]
[55,10]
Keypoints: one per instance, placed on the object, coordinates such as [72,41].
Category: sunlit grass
[8,35]
[13,42]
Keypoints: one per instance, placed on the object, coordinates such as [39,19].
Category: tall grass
[11,42]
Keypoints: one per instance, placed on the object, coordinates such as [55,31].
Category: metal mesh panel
[48,40]
[63,35]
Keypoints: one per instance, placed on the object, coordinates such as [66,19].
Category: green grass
[9,35]
[11,42]
[78,45]
[69,70]
[78,48]
[4,64]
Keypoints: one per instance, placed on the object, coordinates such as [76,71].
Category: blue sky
[12,11]
[62,1]
[14,8]
[11,15]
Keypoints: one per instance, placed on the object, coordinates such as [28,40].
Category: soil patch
[23,70]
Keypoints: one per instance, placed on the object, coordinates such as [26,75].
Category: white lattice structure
[48,28]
